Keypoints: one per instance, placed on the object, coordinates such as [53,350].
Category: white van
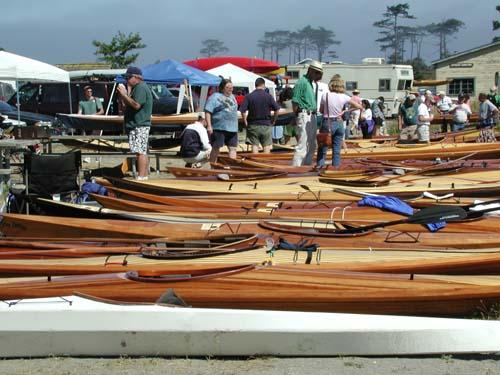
[373,78]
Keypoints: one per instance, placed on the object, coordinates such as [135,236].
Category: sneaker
[142,178]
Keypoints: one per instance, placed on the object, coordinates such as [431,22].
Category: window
[405,72]
[404,84]
[293,74]
[461,85]
[351,85]
[384,85]
[26,94]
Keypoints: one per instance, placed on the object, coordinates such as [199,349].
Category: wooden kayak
[319,215]
[420,261]
[278,288]
[469,185]
[115,122]
[425,152]
[261,202]
[412,236]
[343,217]
[182,249]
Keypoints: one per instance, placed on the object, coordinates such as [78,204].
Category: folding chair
[52,176]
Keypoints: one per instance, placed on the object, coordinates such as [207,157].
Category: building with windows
[473,71]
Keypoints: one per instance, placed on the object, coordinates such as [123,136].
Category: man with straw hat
[305,106]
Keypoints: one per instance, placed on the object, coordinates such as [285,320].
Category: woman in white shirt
[366,122]
[332,104]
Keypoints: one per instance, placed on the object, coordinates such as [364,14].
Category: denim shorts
[223,137]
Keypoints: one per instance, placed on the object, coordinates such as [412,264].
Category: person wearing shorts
[138,101]
[221,115]
[256,112]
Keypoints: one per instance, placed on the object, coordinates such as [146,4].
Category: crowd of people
[324,116]
[416,114]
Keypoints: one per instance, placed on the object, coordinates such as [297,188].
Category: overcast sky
[61,31]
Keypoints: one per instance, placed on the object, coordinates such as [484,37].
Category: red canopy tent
[252,64]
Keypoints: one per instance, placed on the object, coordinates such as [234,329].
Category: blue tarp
[393,204]
[171,71]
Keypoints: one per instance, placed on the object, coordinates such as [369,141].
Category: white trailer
[373,78]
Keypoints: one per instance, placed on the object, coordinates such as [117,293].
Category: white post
[70,101]
[203,97]
[182,90]
[110,99]
[18,104]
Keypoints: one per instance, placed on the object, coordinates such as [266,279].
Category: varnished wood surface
[283,288]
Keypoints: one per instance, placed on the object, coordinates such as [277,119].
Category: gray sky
[61,31]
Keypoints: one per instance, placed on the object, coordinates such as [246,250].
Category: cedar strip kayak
[278,288]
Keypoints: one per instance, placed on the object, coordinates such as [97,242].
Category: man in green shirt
[138,102]
[304,106]
[90,105]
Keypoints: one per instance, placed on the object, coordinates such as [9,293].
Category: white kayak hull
[51,327]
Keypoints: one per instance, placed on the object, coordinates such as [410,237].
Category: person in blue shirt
[221,115]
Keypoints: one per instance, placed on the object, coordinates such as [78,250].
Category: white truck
[373,78]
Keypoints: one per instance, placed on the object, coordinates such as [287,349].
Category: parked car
[53,98]
[29,118]
[165,101]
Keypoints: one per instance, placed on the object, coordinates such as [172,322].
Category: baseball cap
[412,97]
[428,92]
[201,115]
[440,92]
[316,65]
[355,91]
[132,70]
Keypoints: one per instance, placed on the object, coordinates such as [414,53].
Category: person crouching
[195,146]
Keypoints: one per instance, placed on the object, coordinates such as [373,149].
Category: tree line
[398,40]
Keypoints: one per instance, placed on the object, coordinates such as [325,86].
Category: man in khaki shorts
[256,111]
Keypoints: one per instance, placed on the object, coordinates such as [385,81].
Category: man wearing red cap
[138,102]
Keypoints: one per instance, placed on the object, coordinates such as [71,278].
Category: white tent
[241,77]
[19,68]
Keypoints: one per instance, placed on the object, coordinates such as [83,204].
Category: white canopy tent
[18,68]
[241,77]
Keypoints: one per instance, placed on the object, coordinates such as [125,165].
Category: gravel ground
[442,365]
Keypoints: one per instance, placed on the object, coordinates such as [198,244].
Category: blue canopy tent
[171,71]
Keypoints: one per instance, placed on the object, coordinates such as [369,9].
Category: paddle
[426,215]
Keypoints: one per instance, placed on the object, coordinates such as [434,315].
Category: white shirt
[367,114]
[423,110]
[202,132]
[444,104]
[322,88]
[460,112]
[336,103]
